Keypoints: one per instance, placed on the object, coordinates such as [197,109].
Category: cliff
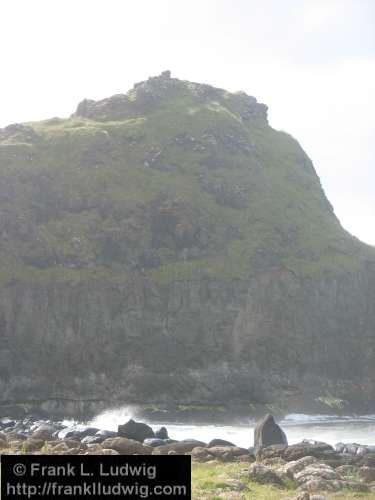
[169,245]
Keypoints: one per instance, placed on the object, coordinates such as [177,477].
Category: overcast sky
[311,61]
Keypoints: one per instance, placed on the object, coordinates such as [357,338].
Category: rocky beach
[306,470]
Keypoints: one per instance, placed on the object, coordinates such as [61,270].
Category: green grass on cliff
[81,200]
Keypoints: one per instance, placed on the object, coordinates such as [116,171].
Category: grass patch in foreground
[216,481]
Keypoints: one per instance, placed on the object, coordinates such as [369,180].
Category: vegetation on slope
[173,180]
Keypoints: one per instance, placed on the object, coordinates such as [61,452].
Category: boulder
[106,434]
[320,451]
[267,433]
[312,441]
[179,448]
[343,460]
[107,451]
[340,447]
[3,444]
[59,448]
[135,430]
[235,485]
[362,450]
[351,448]
[368,460]
[227,453]
[7,422]
[200,454]
[88,440]
[264,475]
[32,444]
[312,475]
[12,436]
[219,442]
[162,433]
[45,432]
[77,432]
[316,470]
[153,442]
[196,442]
[96,449]
[292,468]
[275,451]
[126,446]
[367,474]
[319,484]
[70,443]
[273,462]
[320,476]
[72,451]
[347,470]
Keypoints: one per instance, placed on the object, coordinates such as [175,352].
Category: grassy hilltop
[174,178]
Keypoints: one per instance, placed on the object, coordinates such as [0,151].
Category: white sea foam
[111,418]
[327,428]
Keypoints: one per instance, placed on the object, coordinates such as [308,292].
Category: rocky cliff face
[169,245]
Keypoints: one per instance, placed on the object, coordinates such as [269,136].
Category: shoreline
[87,409]
[221,468]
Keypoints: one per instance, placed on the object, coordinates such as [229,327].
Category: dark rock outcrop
[138,431]
[268,433]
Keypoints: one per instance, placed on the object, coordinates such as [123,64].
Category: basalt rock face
[169,245]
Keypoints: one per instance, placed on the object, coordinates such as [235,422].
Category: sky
[311,61]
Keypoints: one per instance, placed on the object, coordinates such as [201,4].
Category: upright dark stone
[267,433]
[135,430]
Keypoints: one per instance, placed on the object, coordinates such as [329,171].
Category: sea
[297,426]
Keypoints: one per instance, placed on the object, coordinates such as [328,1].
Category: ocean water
[327,428]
